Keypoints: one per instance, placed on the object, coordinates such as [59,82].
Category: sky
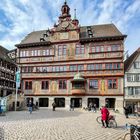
[20,17]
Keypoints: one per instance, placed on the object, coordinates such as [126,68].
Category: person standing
[90,106]
[94,106]
[72,107]
[126,112]
[30,107]
[104,115]
[54,105]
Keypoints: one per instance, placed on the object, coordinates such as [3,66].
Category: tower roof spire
[74,13]
[65,11]
[75,20]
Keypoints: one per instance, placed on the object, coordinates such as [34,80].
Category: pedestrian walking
[54,105]
[94,107]
[90,106]
[71,107]
[30,107]
[104,115]
[126,112]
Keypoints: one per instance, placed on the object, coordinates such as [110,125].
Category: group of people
[92,107]
[104,111]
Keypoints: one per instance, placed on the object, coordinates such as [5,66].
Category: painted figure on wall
[36,87]
[53,88]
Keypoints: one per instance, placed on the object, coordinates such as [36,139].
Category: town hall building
[73,64]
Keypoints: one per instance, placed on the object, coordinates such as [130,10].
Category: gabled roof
[33,37]
[129,61]
[104,30]
[98,31]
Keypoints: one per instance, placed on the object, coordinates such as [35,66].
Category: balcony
[78,91]
[78,85]
[132,96]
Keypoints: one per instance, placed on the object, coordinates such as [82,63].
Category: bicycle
[133,135]
[111,121]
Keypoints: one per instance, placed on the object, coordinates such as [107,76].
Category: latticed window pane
[45,85]
[112,83]
[93,84]
[62,84]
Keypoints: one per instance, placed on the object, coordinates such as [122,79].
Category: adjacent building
[132,81]
[13,54]
[7,73]
[73,64]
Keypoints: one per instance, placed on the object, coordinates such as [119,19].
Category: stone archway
[110,102]
[93,101]
[43,102]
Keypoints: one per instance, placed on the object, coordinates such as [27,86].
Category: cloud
[33,17]
[24,16]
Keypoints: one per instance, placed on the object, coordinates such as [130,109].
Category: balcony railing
[78,90]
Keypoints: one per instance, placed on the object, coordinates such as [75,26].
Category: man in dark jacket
[126,112]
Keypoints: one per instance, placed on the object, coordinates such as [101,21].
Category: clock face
[64,24]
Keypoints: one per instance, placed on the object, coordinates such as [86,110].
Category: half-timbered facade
[132,82]
[73,64]
[7,73]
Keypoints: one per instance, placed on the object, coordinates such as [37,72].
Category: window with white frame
[112,83]
[97,48]
[138,77]
[73,68]
[130,78]
[28,85]
[102,48]
[130,91]
[80,49]
[137,65]
[93,84]
[90,67]
[92,49]
[80,67]
[62,84]
[108,48]
[47,52]
[45,84]
[98,66]
[115,47]
[137,90]
[76,67]
[62,50]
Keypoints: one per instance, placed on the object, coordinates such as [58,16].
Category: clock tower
[65,15]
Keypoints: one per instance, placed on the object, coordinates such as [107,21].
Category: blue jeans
[30,110]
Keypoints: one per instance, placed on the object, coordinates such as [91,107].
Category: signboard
[3,103]
[18,79]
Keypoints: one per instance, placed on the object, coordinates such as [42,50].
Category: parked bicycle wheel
[127,136]
[112,124]
[98,119]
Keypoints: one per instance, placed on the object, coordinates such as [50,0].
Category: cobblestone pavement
[58,125]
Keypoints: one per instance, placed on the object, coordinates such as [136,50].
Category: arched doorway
[28,99]
[43,102]
[77,102]
[60,102]
[110,102]
[94,101]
